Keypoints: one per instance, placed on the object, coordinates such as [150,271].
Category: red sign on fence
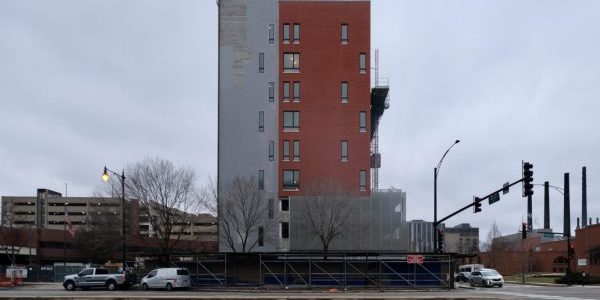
[414,259]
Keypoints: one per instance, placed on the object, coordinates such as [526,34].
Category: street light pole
[436,171]
[105,178]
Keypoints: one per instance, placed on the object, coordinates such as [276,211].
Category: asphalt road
[509,291]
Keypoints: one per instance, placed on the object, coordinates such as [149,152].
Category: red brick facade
[547,257]
[326,62]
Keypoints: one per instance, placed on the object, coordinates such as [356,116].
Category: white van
[466,270]
[167,278]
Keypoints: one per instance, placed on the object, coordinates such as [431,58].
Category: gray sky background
[85,84]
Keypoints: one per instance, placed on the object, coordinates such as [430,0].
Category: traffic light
[524,231]
[571,250]
[440,236]
[527,179]
[477,207]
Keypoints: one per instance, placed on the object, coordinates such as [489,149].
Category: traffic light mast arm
[478,200]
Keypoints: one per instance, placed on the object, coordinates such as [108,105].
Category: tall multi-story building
[295,99]
[462,239]
[48,209]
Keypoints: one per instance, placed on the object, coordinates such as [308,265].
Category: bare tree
[13,236]
[242,212]
[96,241]
[491,236]
[327,206]
[169,194]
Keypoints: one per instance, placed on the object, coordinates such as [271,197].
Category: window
[344,33]
[291,179]
[271,208]
[296,33]
[261,179]
[261,62]
[261,236]
[284,204]
[296,91]
[271,91]
[286,91]
[183,272]
[286,150]
[362,121]
[291,62]
[291,121]
[344,91]
[271,150]
[363,180]
[296,150]
[286,33]
[344,150]
[271,34]
[261,121]
[363,63]
[285,230]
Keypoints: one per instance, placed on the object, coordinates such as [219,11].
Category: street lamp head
[457,141]
[105,175]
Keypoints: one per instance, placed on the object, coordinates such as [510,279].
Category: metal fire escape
[380,101]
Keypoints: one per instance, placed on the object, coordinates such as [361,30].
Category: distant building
[420,236]
[543,252]
[48,209]
[40,223]
[462,239]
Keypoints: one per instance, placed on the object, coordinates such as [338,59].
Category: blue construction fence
[302,270]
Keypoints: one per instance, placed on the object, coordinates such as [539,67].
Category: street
[509,291]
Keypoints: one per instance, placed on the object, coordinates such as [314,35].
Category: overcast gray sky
[85,84]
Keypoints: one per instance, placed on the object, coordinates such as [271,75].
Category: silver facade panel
[243,92]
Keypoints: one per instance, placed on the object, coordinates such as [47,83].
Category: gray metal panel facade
[243,150]
[377,224]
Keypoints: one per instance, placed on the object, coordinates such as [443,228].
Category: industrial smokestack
[577,224]
[546,205]
[567,208]
[583,197]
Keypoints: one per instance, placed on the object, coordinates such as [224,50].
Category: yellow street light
[105,175]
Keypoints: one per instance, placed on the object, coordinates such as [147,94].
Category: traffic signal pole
[477,200]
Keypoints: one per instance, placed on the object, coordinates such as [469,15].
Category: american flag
[69,222]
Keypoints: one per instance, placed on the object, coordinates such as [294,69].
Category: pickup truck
[96,277]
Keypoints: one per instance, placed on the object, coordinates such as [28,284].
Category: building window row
[271,150]
[295,152]
[344,92]
[271,91]
[291,121]
[271,34]
[344,33]
[291,182]
[295,91]
[363,180]
[291,62]
[344,150]
[291,179]
[261,62]
[295,33]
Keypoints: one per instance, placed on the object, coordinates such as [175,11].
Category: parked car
[466,270]
[486,278]
[96,277]
[167,278]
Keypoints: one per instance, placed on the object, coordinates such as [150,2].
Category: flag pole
[65,237]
